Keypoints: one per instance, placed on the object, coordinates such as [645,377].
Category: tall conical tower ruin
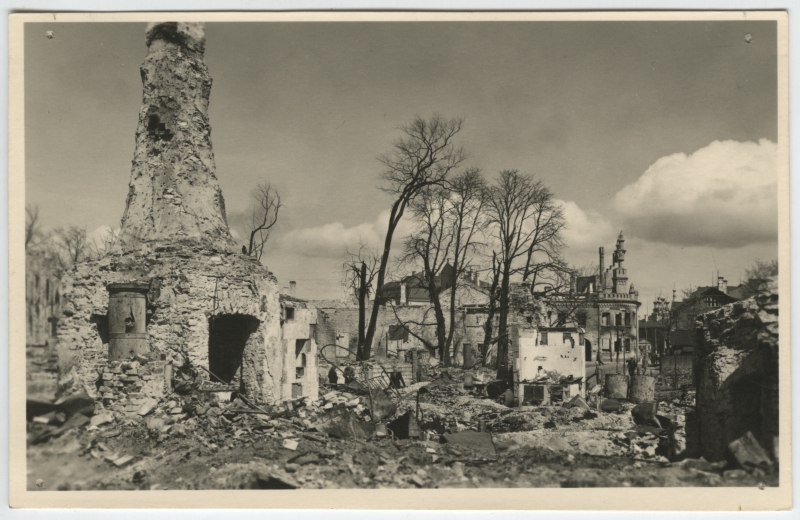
[174,194]
[176,297]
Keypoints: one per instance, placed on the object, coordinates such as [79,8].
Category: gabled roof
[738,291]
[708,291]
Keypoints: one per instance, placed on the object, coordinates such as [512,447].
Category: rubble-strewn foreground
[196,441]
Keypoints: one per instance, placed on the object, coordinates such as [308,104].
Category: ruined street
[419,315]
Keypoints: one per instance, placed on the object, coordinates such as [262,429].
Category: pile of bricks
[126,385]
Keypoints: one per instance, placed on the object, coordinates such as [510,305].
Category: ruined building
[177,295]
[603,307]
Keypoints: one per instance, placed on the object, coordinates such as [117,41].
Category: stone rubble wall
[736,375]
[192,285]
[128,385]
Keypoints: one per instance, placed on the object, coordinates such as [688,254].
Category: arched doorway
[588,349]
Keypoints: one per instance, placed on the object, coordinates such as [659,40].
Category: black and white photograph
[401,252]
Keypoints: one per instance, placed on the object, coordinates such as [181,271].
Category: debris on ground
[439,433]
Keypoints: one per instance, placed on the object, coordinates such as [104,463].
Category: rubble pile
[430,434]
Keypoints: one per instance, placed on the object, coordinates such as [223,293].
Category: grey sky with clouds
[606,113]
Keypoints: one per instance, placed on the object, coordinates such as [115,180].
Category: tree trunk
[362,309]
[394,218]
[489,325]
[502,333]
[433,296]
[449,341]
[441,333]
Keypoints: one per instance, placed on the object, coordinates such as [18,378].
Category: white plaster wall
[557,356]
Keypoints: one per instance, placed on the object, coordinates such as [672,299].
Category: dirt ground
[188,442]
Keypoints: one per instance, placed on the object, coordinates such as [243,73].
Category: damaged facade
[298,336]
[603,307]
[204,305]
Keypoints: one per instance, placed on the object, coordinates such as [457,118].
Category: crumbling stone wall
[189,286]
[736,375]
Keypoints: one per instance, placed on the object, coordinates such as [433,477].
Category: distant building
[42,298]
[413,289]
[670,327]
[298,335]
[603,307]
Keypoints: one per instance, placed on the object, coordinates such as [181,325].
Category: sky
[666,131]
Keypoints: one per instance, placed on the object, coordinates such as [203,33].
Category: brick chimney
[403,299]
[722,284]
[292,288]
[602,270]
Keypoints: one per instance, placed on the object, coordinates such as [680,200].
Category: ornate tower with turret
[620,274]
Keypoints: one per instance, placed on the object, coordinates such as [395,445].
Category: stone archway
[228,335]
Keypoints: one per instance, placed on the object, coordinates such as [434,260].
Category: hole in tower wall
[159,126]
[227,337]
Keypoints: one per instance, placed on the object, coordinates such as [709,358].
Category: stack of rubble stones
[128,385]
[736,376]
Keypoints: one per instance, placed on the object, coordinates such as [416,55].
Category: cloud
[586,230]
[102,236]
[723,195]
[330,240]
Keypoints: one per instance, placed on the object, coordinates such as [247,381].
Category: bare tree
[73,246]
[422,157]
[33,226]
[359,270]
[430,243]
[757,275]
[528,227]
[565,296]
[489,338]
[263,217]
[681,315]
[467,219]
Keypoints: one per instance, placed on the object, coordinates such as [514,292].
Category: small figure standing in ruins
[349,375]
[632,367]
